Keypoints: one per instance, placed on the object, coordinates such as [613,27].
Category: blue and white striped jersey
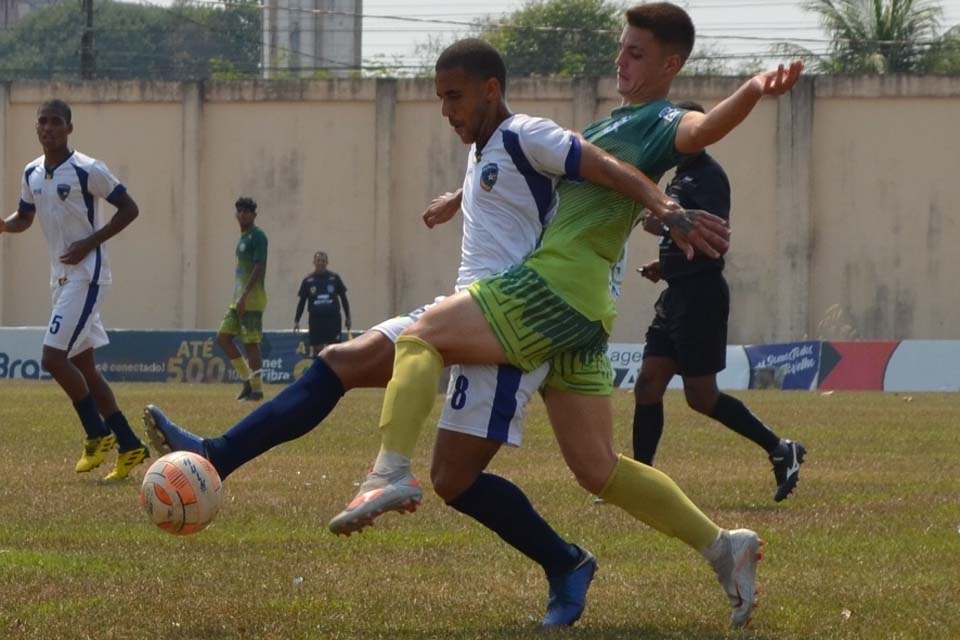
[66,199]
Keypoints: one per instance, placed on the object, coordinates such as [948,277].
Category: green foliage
[564,38]
[137,41]
[881,36]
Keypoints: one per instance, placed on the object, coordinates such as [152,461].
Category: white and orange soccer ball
[181,492]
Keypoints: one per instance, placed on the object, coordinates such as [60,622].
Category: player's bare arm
[692,231]
[17,222]
[443,208]
[256,275]
[697,131]
[127,212]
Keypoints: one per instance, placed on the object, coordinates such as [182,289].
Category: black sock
[647,429]
[294,412]
[502,507]
[89,417]
[735,416]
[126,439]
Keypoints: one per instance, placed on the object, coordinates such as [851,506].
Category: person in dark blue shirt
[688,335]
[322,293]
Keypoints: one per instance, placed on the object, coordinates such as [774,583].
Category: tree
[878,36]
[137,41]
[558,37]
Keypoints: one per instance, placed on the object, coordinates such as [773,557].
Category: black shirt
[700,183]
[322,294]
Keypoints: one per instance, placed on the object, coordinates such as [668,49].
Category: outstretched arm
[691,230]
[698,131]
[17,222]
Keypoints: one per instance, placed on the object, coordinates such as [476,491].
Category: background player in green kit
[244,318]
[556,306]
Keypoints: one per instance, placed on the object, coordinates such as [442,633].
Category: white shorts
[75,324]
[486,401]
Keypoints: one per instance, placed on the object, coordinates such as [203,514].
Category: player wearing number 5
[62,187]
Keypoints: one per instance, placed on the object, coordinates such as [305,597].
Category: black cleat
[246,391]
[786,460]
[254,396]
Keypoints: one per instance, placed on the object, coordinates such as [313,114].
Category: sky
[743,29]
[737,27]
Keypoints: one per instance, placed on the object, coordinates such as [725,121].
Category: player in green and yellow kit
[244,318]
[556,306]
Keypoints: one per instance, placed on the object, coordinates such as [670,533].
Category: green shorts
[534,325]
[250,330]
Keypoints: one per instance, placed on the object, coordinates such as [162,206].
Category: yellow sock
[652,497]
[410,394]
[256,380]
[241,366]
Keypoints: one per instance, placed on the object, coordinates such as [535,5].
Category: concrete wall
[844,198]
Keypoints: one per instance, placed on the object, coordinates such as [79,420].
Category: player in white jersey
[508,193]
[63,188]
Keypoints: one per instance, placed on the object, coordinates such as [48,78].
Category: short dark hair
[671,26]
[321,253]
[690,105]
[57,105]
[477,58]
[245,203]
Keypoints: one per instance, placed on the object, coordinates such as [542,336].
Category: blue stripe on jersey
[118,191]
[540,186]
[504,402]
[84,179]
[572,163]
[26,207]
[91,300]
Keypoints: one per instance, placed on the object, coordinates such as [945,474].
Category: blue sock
[90,418]
[126,439]
[291,414]
[502,507]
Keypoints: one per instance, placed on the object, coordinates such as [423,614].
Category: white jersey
[67,201]
[509,193]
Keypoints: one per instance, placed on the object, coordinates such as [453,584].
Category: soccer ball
[181,492]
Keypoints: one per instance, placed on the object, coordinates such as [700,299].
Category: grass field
[868,547]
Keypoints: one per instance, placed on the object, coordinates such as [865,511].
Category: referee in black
[688,335]
[322,292]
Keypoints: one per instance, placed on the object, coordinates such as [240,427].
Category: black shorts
[324,329]
[690,325]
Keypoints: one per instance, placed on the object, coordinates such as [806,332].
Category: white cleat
[734,557]
[377,495]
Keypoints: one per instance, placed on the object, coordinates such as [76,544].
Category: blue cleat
[166,437]
[568,593]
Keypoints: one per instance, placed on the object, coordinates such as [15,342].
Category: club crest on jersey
[488,176]
[63,190]
[330,288]
[670,113]
[313,291]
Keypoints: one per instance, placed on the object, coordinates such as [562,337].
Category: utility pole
[87,61]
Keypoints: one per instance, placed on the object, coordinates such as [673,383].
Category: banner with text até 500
[195,356]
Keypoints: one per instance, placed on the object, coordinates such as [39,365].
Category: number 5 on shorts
[55,325]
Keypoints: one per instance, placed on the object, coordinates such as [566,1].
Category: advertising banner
[627,357]
[20,349]
[792,365]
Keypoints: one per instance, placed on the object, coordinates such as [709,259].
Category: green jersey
[251,249]
[592,224]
